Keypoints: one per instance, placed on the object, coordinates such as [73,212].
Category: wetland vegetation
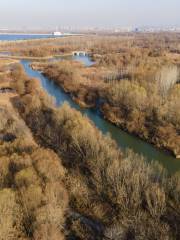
[60,177]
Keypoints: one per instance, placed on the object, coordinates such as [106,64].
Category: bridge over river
[80,53]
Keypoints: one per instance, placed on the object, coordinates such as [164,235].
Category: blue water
[84,59]
[123,139]
[14,37]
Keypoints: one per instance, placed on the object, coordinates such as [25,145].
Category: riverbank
[111,117]
[124,140]
[108,115]
[159,133]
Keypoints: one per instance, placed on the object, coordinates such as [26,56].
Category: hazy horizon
[90,13]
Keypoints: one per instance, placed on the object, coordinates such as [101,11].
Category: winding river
[123,139]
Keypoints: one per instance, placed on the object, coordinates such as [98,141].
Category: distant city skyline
[48,14]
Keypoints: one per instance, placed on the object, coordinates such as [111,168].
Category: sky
[88,13]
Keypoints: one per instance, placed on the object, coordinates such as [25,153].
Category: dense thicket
[112,195]
[33,199]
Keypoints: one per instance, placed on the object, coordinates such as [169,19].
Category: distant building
[57,33]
